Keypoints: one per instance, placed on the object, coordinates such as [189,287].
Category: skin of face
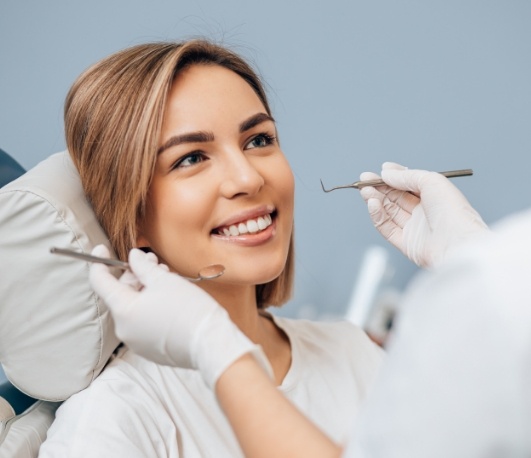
[219,165]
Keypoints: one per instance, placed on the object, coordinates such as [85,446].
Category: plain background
[430,84]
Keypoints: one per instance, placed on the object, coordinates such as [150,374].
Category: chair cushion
[55,334]
[22,435]
[9,168]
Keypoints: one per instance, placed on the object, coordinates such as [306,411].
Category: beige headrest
[55,334]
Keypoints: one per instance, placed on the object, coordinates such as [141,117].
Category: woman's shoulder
[102,417]
[339,336]
[332,330]
[111,392]
[337,351]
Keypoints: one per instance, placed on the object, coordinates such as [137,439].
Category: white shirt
[137,408]
[457,379]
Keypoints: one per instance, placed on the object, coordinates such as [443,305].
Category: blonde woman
[178,153]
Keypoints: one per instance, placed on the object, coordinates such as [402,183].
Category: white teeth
[262,223]
[250,226]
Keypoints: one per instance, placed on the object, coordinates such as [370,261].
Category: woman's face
[222,191]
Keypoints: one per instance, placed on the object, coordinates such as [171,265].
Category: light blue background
[430,84]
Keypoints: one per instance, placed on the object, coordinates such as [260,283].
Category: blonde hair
[113,119]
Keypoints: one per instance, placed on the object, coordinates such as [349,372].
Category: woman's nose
[241,176]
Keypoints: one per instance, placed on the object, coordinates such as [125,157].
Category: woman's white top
[137,408]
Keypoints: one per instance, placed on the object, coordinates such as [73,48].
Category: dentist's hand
[421,213]
[170,320]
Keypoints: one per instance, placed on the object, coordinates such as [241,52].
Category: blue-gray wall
[431,84]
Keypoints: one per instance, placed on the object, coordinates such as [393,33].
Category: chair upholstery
[9,168]
[22,435]
[55,334]
[23,420]
[12,401]
[18,401]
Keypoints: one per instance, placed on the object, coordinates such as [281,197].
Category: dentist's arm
[421,213]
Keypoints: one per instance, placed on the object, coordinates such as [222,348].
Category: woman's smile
[251,227]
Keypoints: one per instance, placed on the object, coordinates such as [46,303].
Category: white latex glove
[170,321]
[421,213]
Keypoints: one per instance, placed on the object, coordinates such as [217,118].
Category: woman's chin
[251,277]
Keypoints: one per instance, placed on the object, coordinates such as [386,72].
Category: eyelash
[179,162]
[270,139]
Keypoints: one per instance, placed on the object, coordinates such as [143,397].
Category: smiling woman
[178,153]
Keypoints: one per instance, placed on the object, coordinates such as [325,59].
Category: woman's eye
[189,160]
[260,141]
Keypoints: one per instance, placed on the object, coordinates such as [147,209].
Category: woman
[178,154]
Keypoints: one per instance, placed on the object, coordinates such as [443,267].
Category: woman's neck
[240,303]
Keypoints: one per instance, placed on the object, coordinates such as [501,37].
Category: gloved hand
[170,321]
[421,213]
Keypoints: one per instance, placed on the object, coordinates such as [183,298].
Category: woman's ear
[141,240]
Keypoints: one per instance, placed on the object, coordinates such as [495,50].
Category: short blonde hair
[113,121]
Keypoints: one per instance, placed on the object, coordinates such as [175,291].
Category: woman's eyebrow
[191,137]
[202,137]
[254,121]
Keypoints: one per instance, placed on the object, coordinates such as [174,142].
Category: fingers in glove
[413,181]
[402,199]
[130,279]
[398,204]
[370,192]
[365,176]
[392,166]
[387,210]
[381,209]
[106,285]
[384,223]
[397,208]
[406,201]
[146,267]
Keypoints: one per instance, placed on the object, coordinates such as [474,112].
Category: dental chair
[9,168]
[9,171]
[55,334]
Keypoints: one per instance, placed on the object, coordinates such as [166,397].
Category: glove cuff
[219,343]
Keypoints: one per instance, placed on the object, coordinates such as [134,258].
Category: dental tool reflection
[363,184]
[206,273]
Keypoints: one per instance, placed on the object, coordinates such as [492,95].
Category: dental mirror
[206,273]
[209,273]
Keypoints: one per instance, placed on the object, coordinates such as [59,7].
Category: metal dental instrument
[206,273]
[380,182]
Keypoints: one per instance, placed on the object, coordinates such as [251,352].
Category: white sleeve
[456,382]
